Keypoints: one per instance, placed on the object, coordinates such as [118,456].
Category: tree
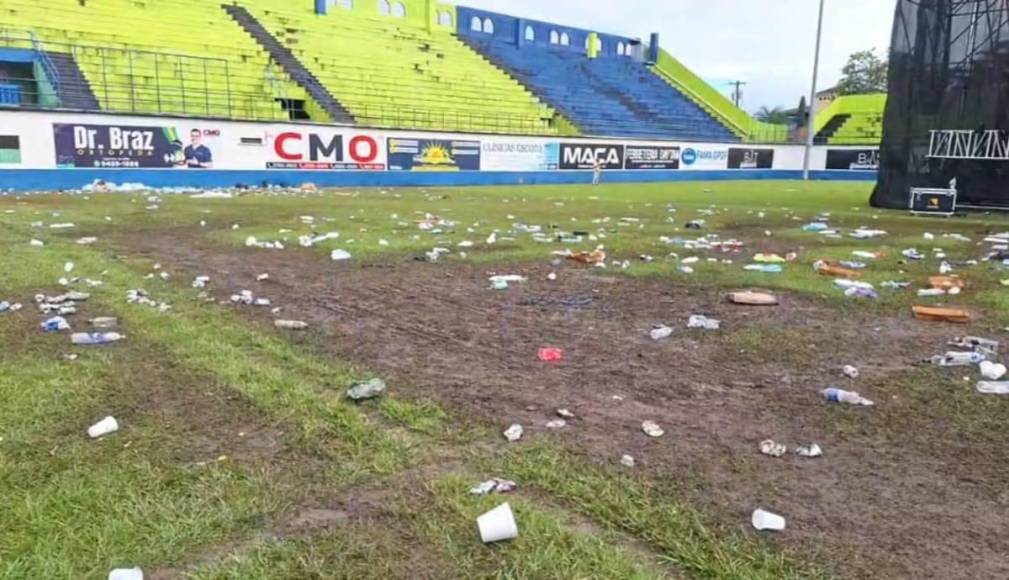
[775,116]
[865,73]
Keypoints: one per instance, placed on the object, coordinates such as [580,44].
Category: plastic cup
[766,521]
[103,427]
[498,524]
[126,574]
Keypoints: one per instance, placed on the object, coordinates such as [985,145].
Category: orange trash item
[946,282]
[942,314]
[753,299]
[838,272]
[589,258]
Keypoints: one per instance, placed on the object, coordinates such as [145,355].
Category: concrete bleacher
[389,73]
[851,120]
[146,56]
[614,94]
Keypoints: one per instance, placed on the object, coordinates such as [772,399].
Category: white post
[812,98]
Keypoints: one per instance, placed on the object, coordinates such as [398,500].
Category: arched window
[530,34]
[475,25]
[488,26]
[554,37]
[565,39]
[399,10]
[445,18]
[384,8]
[620,48]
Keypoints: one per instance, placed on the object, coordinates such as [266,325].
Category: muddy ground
[902,492]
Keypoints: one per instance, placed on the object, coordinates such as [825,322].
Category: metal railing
[15,37]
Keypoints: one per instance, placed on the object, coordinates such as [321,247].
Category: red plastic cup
[551,354]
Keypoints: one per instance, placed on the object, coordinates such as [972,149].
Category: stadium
[408,289]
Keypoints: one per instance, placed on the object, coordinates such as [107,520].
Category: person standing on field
[597,170]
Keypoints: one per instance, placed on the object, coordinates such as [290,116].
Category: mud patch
[870,506]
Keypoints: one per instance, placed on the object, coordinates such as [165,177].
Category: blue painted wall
[60,179]
[507,29]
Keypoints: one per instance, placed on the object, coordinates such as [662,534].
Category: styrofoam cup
[498,524]
[126,574]
[764,520]
[103,427]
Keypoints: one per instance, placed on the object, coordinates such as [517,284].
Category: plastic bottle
[95,338]
[833,395]
[993,388]
[55,324]
[959,359]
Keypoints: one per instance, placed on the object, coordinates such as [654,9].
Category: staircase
[291,65]
[72,88]
[831,128]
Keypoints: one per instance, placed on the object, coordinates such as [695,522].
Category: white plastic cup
[766,521]
[498,524]
[992,371]
[126,574]
[103,427]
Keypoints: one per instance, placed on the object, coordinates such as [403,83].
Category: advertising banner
[433,155]
[584,155]
[704,157]
[651,157]
[10,150]
[513,155]
[751,158]
[853,159]
[131,147]
[323,150]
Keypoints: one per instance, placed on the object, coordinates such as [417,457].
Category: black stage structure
[947,115]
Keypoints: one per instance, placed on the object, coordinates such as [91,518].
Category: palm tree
[775,116]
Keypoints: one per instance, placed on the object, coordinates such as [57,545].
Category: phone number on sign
[114,163]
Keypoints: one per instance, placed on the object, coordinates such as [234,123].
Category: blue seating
[608,96]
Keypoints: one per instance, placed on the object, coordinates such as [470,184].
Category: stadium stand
[398,74]
[851,120]
[613,93]
[145,56]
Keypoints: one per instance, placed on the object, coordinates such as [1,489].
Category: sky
[769,44]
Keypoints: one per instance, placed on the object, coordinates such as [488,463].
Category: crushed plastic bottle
[993,388]
[703,322]
[833,395]
[660,332]
[55,324]
[95,338]
[958,359]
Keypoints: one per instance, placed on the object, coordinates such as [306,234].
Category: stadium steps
[291,65]
[74,90]
[831,128]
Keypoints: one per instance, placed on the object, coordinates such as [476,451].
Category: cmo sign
[314,151]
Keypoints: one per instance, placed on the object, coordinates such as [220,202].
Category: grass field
[238,455]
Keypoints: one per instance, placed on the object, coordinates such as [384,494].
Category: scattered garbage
[850,372]
[832,269]
[953,315]
[913,254]
[36,243]
[772,448]
[958,359]
[548,354]
[126,574]
[201,281]
[9,307]
[947,282]
[493,486]
[931,292]
[703,322]
[513,433]
[627,461]
[695,225]
[660,332]
[753,299]
[992,371]
[833,395]
[764,268]
[104,427]
[767,521]
[815,227]
[593,258]
[565,414]
[768,259]
[290,324]
[55,324]
[339,255]
[810,451]
[993,388]
[262,277]
[977,344]
[652,429]
[498,525]
[556,424]
[366,390]
[95,338]
[252,242]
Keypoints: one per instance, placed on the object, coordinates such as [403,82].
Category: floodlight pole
[812,98]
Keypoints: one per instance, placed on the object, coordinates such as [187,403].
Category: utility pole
[737,91]
[812,98]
